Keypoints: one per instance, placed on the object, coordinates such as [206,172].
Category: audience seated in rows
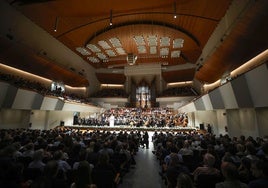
[111,154]
[56,157]
[110,92]
[216,161]
[179,91]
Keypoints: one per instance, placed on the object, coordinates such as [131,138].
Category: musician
[111,121]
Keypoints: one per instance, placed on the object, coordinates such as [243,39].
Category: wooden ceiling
[84,27]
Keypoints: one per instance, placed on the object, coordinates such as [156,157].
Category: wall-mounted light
[111,17]
[56,24]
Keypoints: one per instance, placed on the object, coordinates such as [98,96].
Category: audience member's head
[229,171]
[184,181]
[209,160]
[240,148]
[175,159]
[83,178]
[265,148]
[246,163]
[186,144]
[103,159]
[259,168]
[51,169]
[250,148]
[58,155]
[38,155]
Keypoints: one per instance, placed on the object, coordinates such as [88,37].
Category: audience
[259,170]
[245,174]
[104,173]
[83,177]
[184,181]
[175,167]
[38,160]
[42,89]
[60,151]
[230,173]
[179,91]
[207,168]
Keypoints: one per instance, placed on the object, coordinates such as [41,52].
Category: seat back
[103,178]
[208,181]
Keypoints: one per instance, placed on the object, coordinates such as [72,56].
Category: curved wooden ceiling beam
[142,13]
[144,22]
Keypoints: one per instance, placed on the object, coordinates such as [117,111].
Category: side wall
[239,107]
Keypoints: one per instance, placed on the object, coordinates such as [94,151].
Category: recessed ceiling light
[178,43]
[101,56]
[120,51]
[115,42]
[175,54]
[110,53]
[93,48]
[165,41]
[152,40]
[93,59]
[153,50]
[104,44]
[164,52]
[141,49]
[139,40]
[83,51]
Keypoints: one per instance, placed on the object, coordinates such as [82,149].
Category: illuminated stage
[129,128]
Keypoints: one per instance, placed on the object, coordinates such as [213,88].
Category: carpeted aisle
[145,174]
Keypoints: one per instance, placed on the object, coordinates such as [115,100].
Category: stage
[129,128]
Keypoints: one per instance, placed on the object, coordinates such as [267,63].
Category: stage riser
[127,128]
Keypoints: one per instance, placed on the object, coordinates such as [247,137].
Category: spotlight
[111,17]
[56,24]
[175,9]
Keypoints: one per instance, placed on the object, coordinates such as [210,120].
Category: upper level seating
[179,91]
[110,92]
[41,88]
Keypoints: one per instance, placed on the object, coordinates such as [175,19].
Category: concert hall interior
[139,78]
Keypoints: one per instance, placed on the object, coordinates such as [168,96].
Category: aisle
[145,174]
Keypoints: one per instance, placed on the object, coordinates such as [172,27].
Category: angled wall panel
[216,99]
[188,108]
[59,105]
[257,80]
[207,102]
[228,96]
[3,88]
[10,97]
[241,92]
[199,105]
[49,103]
[37,101]
[24,99]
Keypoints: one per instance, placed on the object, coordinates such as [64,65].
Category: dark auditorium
[137,94]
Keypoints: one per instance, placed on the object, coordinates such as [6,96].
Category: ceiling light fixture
[56,24]
[111,17]
[131,58]
[175,9]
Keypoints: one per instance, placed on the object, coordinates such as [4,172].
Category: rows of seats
[61,157]
[110,92]
[40,88]
[211,161]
